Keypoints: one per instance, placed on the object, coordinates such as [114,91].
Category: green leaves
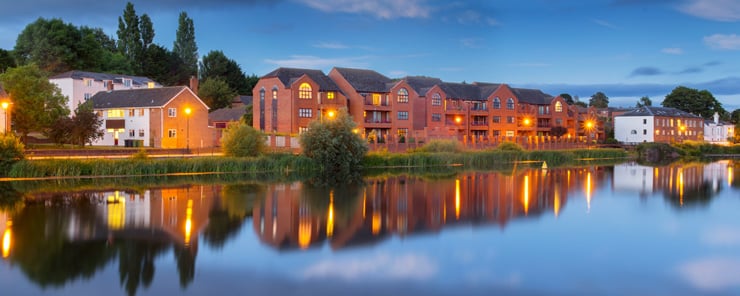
[692,100]
[334,146]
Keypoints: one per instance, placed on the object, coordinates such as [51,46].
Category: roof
[486,89]
[366,80]
[462,91]
[532,96]
[133,98]
[659,111]
[246,100]
[118,78]
[422,84]
[289,75]
[227,114]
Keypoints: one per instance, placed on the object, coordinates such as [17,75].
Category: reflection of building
[633,178]
[292,216]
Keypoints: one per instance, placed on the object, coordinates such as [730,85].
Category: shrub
[441,146]
[11,150]
[140,155]
[241,140]
[510,146]
[334,146]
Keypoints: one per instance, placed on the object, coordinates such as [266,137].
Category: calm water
[614,230]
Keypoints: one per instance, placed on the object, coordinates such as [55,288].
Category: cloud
[469,17]
[691,70]
[604,23]
[723,42]
[330,45]
[722,237]
[717,10]
[712,63]
[672,50]
[313,62]
[380,266]
[712,274]
[384,9]
[646,71]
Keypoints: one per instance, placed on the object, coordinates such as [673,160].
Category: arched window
[558,107]
[262,109]
[274,92]
[304,91]
[403,96]
[436,100]
[510,104]
[496,103]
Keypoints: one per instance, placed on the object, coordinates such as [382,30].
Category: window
[510,119]
[510,104]
[302,129]
[558,106]
[543,109]
[115,113]
[131,133]
[106,83]
[402,132]
[172,112]
[150,84]
[305,113]
[644,121]
[558,121]
[131,112]
[330,95]
[509,133]
[172,133]
[644,132]
[403,115]
[141,112]
[304,91]
[274,93]
[496,103]
[376,99]
[496,133]
[436,100]
[403,95]
[88,82]
[633,132]
[127,82]
[436,117]
[496,119]
[87,96]
[141,133]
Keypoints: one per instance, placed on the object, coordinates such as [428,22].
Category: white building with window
[718,132]
[658,124]
[80,86]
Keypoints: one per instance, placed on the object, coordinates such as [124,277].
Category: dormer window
[510,104]
[304,91]
[403,95]
[127,82]
[558,107]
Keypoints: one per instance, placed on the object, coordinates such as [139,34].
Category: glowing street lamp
[187,135]
[527,122]
[331,114]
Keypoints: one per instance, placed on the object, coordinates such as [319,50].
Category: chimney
[716,118]
[194,84]
[109,84]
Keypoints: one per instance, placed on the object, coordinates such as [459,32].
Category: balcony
[377,122]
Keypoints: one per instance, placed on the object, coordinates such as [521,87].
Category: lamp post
[589,129]
[5,106]
[187,135]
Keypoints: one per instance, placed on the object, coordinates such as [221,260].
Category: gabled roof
[532,96]
[659,111]
[366,81]
[246,100]
[421,84]
[462,91]
[136,98]
[227,114]
[117,78]
[289,75]
[486,89]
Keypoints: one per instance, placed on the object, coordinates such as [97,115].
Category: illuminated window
[376,99]
[141,112]
[510,104]
[402,132]
[150,84]
[436,117]
[558,107]
[305,113]
[509,133]
[330,95]
[172,133]
[88,82]
[496,103]
[403,115]
[115,113]
[304,92]
[131,112]
[172,112]
[403,95]
[274,92]
[436,100]
[302,129]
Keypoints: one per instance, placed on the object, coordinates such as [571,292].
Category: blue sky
[625,48]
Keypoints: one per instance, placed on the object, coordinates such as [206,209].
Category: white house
[658,124]
[80,86]
[717,132]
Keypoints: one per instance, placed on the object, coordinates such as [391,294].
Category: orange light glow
[526,195]
[680,186]
[457,198]
[116,211]
[527,121]
[5,105]
[330,216]
[188,111]
[458,119]
[188,221]
[330,113]
[588,191]
[377,222]
[304,232]
[729,176]
[556,204]
[589,124]
[6,242]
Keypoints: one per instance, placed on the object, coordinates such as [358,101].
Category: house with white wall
[717,131]
[658,124]
[80,86]
[166,117]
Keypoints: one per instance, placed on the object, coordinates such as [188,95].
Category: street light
[331,114]
[589,124]
[187,135]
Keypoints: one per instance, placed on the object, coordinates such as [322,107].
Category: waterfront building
[717,131]
[658,124]
[80,86]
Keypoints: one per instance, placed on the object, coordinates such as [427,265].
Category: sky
[624,48]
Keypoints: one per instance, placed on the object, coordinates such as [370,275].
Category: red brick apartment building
[386,109]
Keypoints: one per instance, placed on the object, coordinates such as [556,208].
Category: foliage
[510,146]
[599,100]
[644,101]
[241,140]
[164,66]
[441,146]
[657,152]
[146,28]
[11,151]
[334,146]
[185,47]
[568,98]
[86,125]
[215,92]
[7,60]
[694,101]
[252,82]
[130,43]
[140,155]
[248,116]
[558,131]
[37,103]
[216,65]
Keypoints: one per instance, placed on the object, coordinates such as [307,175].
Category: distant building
[717,131]
[154,117]
[80,86]
[5,111]
[658,124]
[219,119]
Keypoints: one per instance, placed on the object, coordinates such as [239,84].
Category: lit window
[510,104]
[131,112]
[558,106]
[403,115]
[304,91]
[436,117]
[509,133]
[376,99]
[436,100]
[305,113]
[115,113]
[302,129]
[172,133]
[275,92]
[172,112]
[403,95]
[141,112]
[330,95]
[150,84]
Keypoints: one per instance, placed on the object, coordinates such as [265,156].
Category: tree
[337,150]
[599,100]
[216,93]
[643,102]
[248,116]
[694,101]
[6,60]
[241,140]
[163,66]
[11,150]
[57,47]
[558,131]
[216,65]
[147,31]
[37,102]
[86,125]
[185,46]
[129,36]
[568,98]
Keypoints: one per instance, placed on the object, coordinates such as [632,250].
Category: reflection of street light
[5,106]
[6,240]
[187,135]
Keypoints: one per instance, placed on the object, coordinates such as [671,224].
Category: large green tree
[130,43]
[6,60]
[599,100]
[568,98]
[37,103]
[643,102]
[216,93]
[216,65]
[337,150]
[164,66]
[694,101]
[147,31]
[185,46]
[57,47]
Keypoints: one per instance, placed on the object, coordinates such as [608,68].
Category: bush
[441,146]
[334,146]
[11,150]
[140,155]
[241,140]
[510,146]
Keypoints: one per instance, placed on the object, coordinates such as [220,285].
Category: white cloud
[604,23]
[717,10]
[384,9]
[712,274]
[723,42]
[380,266]
[330,45]
[672,50]
[722,236]
[313,62]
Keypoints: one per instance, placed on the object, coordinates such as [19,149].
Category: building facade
[80,86]
[718,132]
[167,117]
[658,124]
